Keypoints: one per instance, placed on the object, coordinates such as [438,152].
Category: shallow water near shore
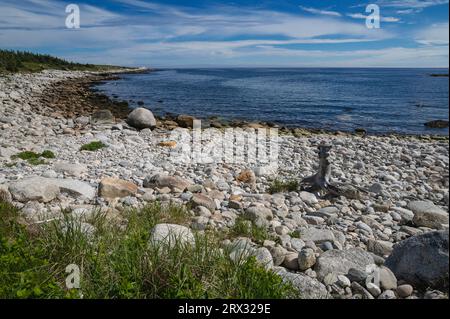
[379,100]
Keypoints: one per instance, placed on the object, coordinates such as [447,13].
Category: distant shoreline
[79,97]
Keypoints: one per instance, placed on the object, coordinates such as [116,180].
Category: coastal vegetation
[119,262]
[34,158]
[279,186]
[93,146]
[20,61]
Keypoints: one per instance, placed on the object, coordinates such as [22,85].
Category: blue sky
[174,33]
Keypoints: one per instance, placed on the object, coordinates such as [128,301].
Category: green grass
[19,61]
[279,186]
[34,158]
[118,261]
[93,146]
[245,228]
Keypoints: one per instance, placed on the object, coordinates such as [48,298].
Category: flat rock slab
[75,188]
[34,189]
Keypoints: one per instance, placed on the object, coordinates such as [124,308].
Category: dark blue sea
[379,100]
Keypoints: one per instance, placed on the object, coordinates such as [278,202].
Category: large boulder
[260,215]
[341,261]
[116,188]
[141,118]
[427,214]
[422,260]
[34,189]
[171,235]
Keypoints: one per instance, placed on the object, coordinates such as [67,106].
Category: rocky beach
[64,147]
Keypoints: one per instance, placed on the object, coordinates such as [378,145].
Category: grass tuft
[34,158]
[93,146]
[245,228]
[279,186]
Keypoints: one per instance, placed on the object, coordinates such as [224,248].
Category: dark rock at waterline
[360,130]
[140,103]
[185,121]
[102,116]
[437,124]
[422,260]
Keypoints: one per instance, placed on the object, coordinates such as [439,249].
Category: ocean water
[379,100]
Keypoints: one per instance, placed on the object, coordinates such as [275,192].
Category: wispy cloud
[321,12]
[436,34]
[148,33]
[362,16]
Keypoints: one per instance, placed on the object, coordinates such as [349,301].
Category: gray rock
[405,291]
[309,288]
[426,214]
[259,214]
[278,255]
[380,247]
[141,118]
[291,261]
[376,188]
[373,289]
[406,214]
[34,189]
[70,169]
[5,195]
[171,235]
[162,180]
[387,294]
[341,261]
[102,117]
[422,260]
[318,236]
[75,188]
[388,281]
[263,257]
[306,259]
[308,198]
[204,201]
[357,275]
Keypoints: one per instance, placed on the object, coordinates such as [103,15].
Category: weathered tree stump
[319,183]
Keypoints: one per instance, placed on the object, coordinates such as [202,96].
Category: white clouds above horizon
[167,35]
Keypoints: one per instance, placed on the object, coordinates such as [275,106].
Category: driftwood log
[319,183]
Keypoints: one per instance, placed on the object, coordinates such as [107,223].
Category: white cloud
[436,34]
[362,16]
[322,12]
[412,4]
